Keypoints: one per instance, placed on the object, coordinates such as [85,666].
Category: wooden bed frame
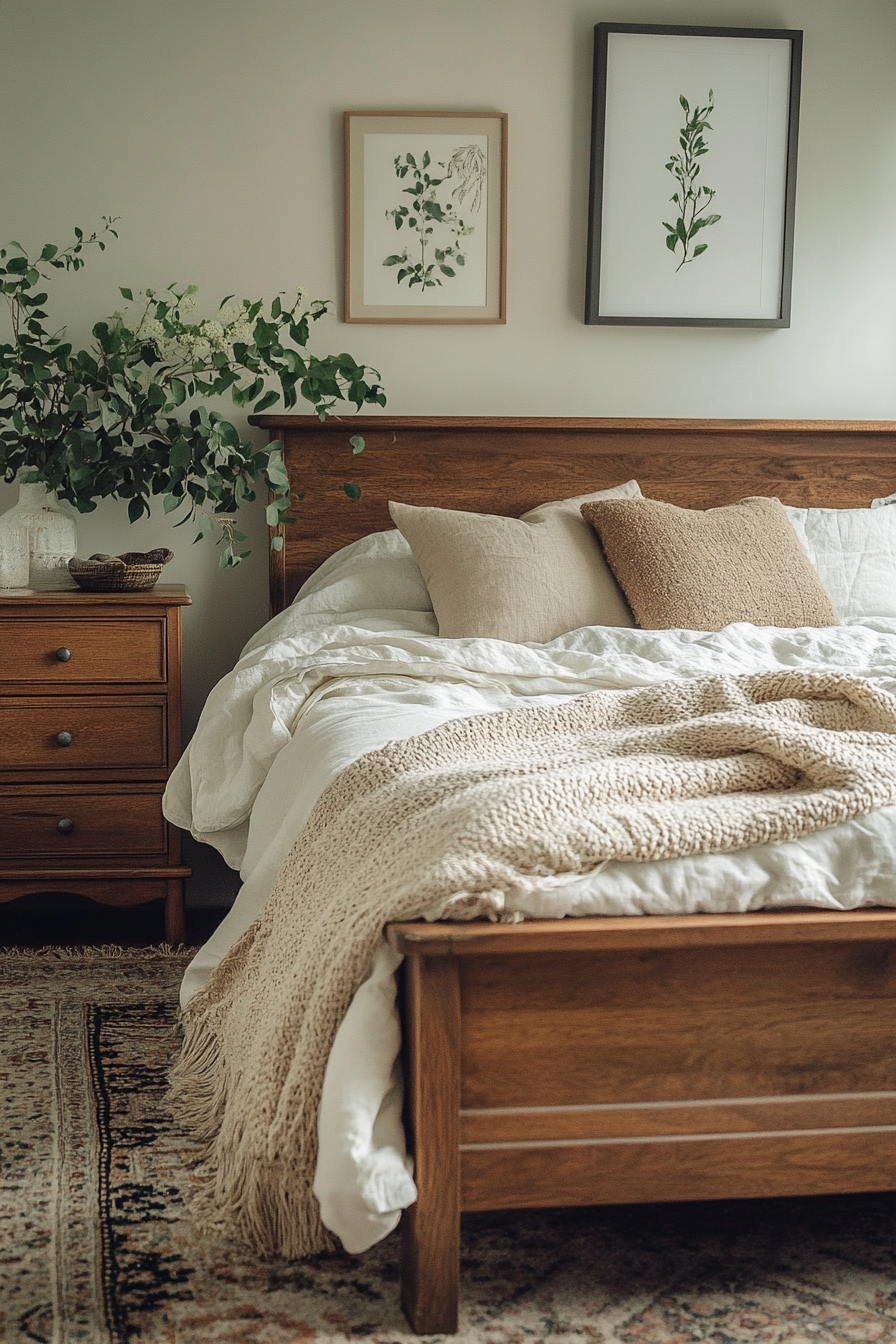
[596,1061]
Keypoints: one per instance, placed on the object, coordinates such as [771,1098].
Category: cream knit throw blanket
[453,821]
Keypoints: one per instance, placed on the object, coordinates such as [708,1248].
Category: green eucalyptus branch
[692,200]
[126,419]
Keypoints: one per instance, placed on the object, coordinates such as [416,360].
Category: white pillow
[854,551]
[376,573]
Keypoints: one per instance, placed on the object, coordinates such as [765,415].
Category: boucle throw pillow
[854,552]
[697,569]
[525,579]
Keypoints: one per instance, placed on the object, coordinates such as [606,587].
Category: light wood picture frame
[693,175]
[425,217]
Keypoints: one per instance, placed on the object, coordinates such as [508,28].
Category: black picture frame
[747,278]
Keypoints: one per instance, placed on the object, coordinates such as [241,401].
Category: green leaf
[269,398]
[181,454]
[126,294]
[264,334]
[272,515]
[393,260]
[136,508]
[277,542]
[109,416]
[171,502]
[357,443]
[447,270]
[276,471]
[701,247]
[353,491]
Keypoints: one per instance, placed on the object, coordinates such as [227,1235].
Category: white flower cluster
[214,335]
[184,346]
[240,331]
[151,330]
[232,327]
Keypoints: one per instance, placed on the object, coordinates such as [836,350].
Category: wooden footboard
[601,1061]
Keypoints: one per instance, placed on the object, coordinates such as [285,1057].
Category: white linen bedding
[323,683]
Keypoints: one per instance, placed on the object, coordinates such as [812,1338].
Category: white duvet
[356,662]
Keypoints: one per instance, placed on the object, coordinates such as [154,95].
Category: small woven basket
[131,572]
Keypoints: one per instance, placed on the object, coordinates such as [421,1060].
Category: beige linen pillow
[696,569]
[525,579]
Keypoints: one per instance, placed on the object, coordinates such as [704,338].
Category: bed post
[430,1269]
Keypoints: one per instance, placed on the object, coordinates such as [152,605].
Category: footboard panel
[668,1170]
[678,1073]
[641,1060]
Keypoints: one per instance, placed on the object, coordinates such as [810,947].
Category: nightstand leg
[175,920]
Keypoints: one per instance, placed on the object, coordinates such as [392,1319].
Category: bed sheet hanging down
[472,818]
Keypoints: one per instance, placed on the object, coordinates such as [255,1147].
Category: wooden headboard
[499,464]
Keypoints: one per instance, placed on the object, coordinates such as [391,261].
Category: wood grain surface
[100,651]
[506,465]
[103,672]
[107,732]
[758,1167]
[105,821]
[645,933]
[677,1024]
[431,1227]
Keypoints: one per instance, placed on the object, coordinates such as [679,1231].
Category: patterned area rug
[96,1246]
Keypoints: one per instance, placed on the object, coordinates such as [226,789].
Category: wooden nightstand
[89,732]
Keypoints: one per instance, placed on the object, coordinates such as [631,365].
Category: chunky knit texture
[452,822]
[701,569]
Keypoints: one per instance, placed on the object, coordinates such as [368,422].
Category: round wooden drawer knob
[63,654]
[65,826]
[64,739]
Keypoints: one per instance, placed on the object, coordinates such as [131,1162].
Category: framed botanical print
[693,175]
[425,203]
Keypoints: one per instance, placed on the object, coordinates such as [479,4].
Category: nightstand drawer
[74,732]
[62,652]
[56,824]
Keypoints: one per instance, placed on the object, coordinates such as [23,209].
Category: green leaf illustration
[434,214]
[692,200]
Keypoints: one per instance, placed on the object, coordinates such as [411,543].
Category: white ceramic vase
[14,550]
[52,539]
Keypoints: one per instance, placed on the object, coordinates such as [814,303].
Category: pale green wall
[213,129]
